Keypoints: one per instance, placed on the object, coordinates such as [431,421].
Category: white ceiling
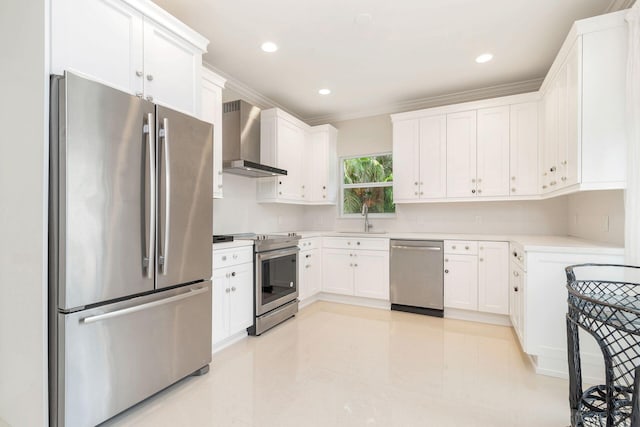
[411,49]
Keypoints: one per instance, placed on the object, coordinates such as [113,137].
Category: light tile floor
[340,365]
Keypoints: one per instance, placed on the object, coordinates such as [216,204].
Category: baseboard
[360,301]
[308,301]
[229,341]
[553,363]
[477,316]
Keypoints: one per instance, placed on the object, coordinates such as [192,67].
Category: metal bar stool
[609,310]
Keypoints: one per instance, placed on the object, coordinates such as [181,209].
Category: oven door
[276,278]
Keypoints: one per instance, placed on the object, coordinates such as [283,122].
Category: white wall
[597,215]
[238,211]
[23,195]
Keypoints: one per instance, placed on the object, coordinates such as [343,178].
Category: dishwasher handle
[416,248]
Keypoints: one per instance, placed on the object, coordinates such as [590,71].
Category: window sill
[371,216]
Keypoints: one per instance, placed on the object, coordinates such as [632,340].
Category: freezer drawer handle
[416,248]
[164,254]
[151,219]
[117,313]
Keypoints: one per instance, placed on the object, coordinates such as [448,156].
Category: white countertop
[530,243]
[234,244]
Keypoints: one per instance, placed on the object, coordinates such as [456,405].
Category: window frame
[343,186]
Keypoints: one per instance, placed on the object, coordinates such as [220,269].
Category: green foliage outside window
[368,180]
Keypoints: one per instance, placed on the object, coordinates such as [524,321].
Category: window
[367,180]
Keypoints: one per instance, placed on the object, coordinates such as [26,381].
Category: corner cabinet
[308,154]
[212,86]
[133,46]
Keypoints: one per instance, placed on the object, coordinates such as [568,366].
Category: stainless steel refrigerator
[130,249]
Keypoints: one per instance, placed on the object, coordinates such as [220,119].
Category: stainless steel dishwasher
[416,276]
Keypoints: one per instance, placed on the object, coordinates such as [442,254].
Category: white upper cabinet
[130,45]
[461,154]
[523,163]
[584,146]
[493,152]
[308,154]
[211,111]
[321,165]
[420,159]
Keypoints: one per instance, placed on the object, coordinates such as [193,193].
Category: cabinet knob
[348,243]
[324,196]
[224,257]
[544,187]
[466,247]
[235,256]
[564,178]
[150,77]
[553,183]
[473,191]
[416,193]
[150,98]
[479,191]
[481,259]
[324,187]
[552,169]
[421,193]
[355,265]
[415,183]
[219,172]
[479,180]
[233,288]
[358,243]
[446,260]
[513,190]
[139,73]
[227,290]
[516,274]
[307,256]
[303,187]
[515,288]
[350,254]
[219,185]
[446,271]
[307,266]
[473,180]
[564,163]
[453,247]
[280,193]
[350,265]
[421,183]
[233,274]
[280,182]
[513,178]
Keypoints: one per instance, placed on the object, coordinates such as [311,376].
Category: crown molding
[433,101]
[617,5]
[248,94]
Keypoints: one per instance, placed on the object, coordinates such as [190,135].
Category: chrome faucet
[365,214]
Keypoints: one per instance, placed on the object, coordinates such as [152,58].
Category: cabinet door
[550,142]
[461,281]
[406,160]
[310,270]
[433,158]
[569,101]
[493,152]
[337,266]
[241,301]
[461,154]
[304,278]
[289,154]
[220,307]
[371,274]
[523,164]
[212,113]
[493,277]
[172,70]
[516,293]
[101,39]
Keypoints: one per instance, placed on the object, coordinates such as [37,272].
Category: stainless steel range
[275,279]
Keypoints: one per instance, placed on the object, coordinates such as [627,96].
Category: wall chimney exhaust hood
[241,141]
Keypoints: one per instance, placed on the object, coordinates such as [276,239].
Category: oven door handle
[277,254]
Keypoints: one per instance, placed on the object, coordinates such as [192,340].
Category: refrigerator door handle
[141,307]
[151,197]
[164,253]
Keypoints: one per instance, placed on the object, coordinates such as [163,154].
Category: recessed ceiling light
[485,57]
[324,91]
[269,47]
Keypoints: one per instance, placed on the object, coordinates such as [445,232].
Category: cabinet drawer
[235,256]
[462,247]
[309,243]
[368,243]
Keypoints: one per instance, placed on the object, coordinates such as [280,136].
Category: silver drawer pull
[142,307]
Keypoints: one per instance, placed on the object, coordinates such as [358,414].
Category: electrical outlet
[605,223]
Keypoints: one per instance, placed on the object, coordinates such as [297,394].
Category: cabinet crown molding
[154,12]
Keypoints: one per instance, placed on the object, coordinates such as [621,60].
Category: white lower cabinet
[232,299]
[310,273]
[516,300]
[356,272]
[461,281]
[477,281]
